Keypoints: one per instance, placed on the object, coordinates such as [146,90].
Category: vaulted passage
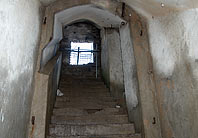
[87,103]
[98,69]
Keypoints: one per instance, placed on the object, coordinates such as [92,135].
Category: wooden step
[90,119]
[91,130]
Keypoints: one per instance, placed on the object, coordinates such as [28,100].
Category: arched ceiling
[153,7]
[101,17]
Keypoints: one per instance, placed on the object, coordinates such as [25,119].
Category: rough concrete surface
[104,57]
[116,76]
[19,36]
[96,118]
[173,42]
[130,77]
[160,8]
[46,86]
[146,83]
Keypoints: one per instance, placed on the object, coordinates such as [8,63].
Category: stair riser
[90,119]
[85,106]
[78,88]
[87,110]
[68,99]
[80,112]
[84,86]
[86,94]
[103,92]
[85,103]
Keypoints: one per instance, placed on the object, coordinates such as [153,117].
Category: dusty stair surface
[87,109]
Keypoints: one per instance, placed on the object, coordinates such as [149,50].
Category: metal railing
[85,51]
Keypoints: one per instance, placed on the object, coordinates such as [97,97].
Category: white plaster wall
[129,67]
[130,77]
[19,36]
[176,41]
[173,42]
[100,16]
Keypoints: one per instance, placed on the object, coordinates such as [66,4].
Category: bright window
[85,54]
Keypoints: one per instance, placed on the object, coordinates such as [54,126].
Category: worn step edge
[107,136]
[96,130]
[79,112]
[70,99]
[90,119]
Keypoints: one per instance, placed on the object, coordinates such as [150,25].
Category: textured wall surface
[19,36]
[116,76]
[104,57]
[173,42]
[130,77]
[155,8]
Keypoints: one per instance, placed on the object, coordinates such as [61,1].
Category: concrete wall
[19,36]
[130,77]
[51,48]
[146,81]
[46,86]
[104,58]
[116,76]
[173,42]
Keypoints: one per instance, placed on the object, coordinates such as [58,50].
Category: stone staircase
[87,110]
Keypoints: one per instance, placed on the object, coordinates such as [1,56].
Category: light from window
[85,54]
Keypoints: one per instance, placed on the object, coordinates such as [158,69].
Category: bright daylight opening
[81,53]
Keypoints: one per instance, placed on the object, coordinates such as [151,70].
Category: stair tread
[69,91]
[105,136]
[86,106]
[71,99]
[87,94]
[86,130]
[90,119]
[96,102]
[79,112]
